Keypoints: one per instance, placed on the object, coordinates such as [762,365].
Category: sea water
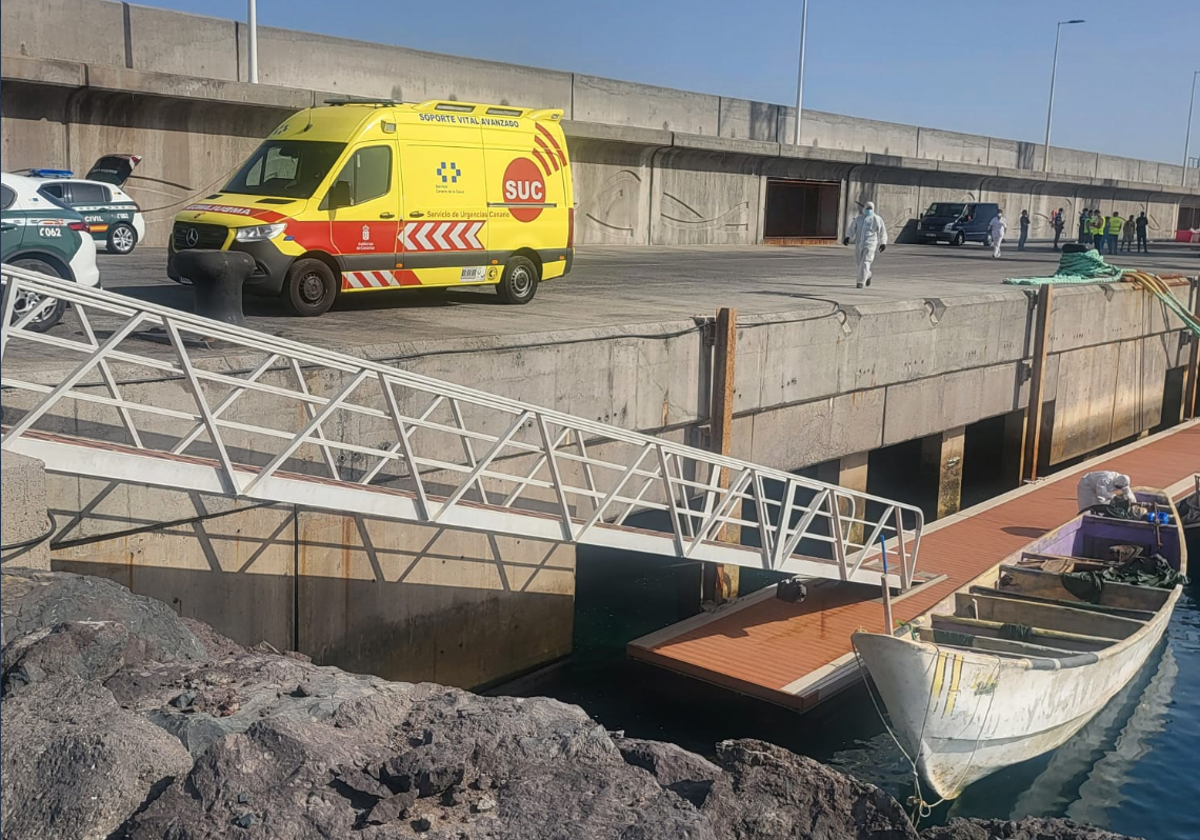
[1134,769]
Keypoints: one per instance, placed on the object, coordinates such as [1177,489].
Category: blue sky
[1123,81]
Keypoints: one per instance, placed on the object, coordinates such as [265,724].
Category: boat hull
[965,714]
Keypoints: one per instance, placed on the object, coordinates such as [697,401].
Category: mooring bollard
[217,278]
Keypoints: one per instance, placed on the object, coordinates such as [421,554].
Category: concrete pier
[834,389]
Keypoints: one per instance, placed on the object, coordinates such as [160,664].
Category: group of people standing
[1108,234]
[869,234]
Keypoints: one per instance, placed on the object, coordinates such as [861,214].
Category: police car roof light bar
[50,173]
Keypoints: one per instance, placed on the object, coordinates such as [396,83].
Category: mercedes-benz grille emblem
[192,237]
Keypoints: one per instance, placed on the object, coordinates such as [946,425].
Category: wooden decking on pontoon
[798,654]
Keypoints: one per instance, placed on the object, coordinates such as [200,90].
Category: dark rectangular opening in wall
[800,210]
[991,465]
[1172,405]
[896,472]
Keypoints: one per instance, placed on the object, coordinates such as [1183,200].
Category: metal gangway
[273,420]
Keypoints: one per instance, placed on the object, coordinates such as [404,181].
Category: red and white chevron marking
[442,236]
[371,280]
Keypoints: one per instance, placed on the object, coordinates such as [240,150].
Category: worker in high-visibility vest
[1112,232]
[1097,230]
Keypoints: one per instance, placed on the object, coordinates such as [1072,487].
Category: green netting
[1075,267]
[1085,267]
[1016,632]
[953,637]
[1152,572]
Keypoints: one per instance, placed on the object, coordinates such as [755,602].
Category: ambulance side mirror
[339,195]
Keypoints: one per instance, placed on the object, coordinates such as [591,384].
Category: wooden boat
[1012,668]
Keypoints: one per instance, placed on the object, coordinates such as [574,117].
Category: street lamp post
[252,42]
[800,74]
[1187,139]
[1053,76]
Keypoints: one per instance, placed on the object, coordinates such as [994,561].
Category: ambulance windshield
[288,168]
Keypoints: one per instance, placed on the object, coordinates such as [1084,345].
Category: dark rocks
[73,764]
[161,729]
[392,808]
[37,600]
[767,792]
[1030,828]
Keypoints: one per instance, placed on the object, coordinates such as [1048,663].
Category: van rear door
[113,169]
[527,194]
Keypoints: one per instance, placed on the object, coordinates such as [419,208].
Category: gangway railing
[313,427]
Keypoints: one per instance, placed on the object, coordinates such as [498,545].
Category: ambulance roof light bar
[361,100]
[489,110]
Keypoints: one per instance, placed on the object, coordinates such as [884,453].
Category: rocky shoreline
[121,720]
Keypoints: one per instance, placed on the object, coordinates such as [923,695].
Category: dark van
[957,222]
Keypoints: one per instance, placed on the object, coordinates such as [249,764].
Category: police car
[112,216]
[39,233]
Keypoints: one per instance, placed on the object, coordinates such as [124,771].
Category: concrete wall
[139,38]
[405,602]
[23,497]
[633,186]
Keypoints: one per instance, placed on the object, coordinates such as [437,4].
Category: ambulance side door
[444,234]
[363,203]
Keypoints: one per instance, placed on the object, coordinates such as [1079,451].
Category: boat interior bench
[963,627]
[1043,616]
[1021,580]
[1006,648]
[1124,612]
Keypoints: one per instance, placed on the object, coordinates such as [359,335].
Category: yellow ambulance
[364,196]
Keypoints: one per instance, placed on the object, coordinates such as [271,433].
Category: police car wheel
[121,239]
[50,314]
[958,239]
[988,241]
[520,281]
[310,288]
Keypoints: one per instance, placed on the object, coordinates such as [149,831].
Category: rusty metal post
[724,581]
[1033,411]
[1192,372]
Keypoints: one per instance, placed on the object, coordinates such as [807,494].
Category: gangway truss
[274,420]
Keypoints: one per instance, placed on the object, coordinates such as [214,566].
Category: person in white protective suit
[997,227]
[869,234]
[1099,489]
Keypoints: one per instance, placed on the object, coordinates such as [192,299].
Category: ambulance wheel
[520,281]
[26,301]
[121,239]
[310,288]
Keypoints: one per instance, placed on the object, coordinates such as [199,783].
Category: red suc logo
[523,184]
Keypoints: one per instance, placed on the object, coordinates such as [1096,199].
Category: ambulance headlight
[259,233]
